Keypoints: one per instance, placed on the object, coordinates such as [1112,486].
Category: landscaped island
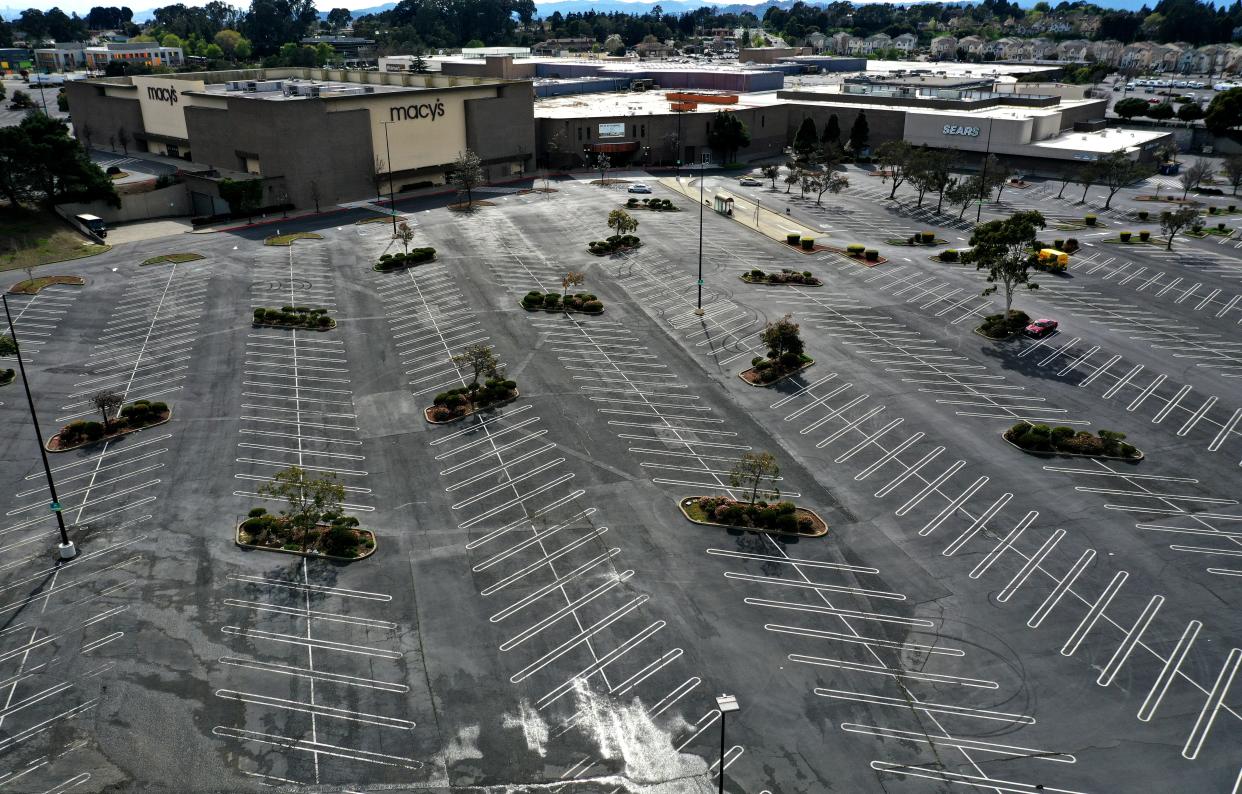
[584,302]
[415,256]
[294,317]
[1068,441]
[133,417]
[785,356]
[751,472]
[454,404]
[786,276]
[313,524]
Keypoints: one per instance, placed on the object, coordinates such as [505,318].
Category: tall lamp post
[392,198]
[67,551]
[727,704]
[702,202]
[983,174]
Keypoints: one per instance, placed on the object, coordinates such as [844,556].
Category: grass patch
[290,239]
[32,286]
[7,376]
[470,206]
[36,237]
[376,219]
[118,175]
[172,259]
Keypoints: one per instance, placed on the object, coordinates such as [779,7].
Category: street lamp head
[727,704]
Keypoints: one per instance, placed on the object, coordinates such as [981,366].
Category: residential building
[654,51]
[558,46]
[971,44]
[906,43]
[1073,50]
[944,47]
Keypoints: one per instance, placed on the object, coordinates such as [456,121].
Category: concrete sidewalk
[769,223]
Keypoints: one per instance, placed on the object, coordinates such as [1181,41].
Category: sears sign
[953,129]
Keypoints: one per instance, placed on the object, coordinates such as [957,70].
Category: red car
[1041,328]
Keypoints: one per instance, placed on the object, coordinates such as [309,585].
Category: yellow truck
[1053,260]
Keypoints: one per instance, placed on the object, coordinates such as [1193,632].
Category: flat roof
[639,103]
[1103,141]
[327,88]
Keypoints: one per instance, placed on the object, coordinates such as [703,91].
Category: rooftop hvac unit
[314,90]
[368,89]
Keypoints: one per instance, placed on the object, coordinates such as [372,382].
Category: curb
[1053,454]
[294,327]
[81,282]
[314,555]
[559,309]
[104,439]
[682,502]
[1014,335]
[805,366]
[473,411]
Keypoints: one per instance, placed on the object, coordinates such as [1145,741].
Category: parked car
[750,181]
[639,188]
[1041,327]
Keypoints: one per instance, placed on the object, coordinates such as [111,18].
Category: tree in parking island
[895,158]
[1115,171]
[1225,111]
[752,470]
[1003,249]
[622,222]
[467,174]
[1173,221]
[1232,168]
[1193,177]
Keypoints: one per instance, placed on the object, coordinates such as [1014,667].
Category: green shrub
[339,541]
[385,257]
[1090,220]
[551,301]
[790,360]
[158,408]
[1143,215]
[1211,210]
[593,307]
[324,321]
[948,255]
[855,248]
[286,309]
[1125,236]
[927,237]
[1220,227]
[255,512]
[792,238]
[757,274]
[259,315]
[872,255]
[1145,235]
[808,243]
[1071,245]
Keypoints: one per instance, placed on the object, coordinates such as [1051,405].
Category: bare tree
[1233,171]
[314,194]
[602,164]
[829,183]
[87,133]
[467,174]
[752,469]
[571,279]
[772,172]
[1193,176]
[108,403]
[405,234]
[122,137]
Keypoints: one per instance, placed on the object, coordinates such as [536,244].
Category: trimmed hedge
[456,403]
[996,326]
[415,257]
[949,255]
[294,317]
[786,276]
[583,302]
[613,244]
[780,516]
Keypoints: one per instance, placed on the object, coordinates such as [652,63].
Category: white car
[639,188]
[749,181]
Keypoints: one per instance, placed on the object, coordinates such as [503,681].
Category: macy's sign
[168,95]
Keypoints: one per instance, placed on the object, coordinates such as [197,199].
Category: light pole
[983,173]
[727,704]
[392,198]
[67,551]
[702,202]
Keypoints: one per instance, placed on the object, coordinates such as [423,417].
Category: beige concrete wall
[163,203]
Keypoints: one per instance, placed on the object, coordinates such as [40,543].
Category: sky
[11,8]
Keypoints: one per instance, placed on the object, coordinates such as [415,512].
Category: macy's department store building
[309,133]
